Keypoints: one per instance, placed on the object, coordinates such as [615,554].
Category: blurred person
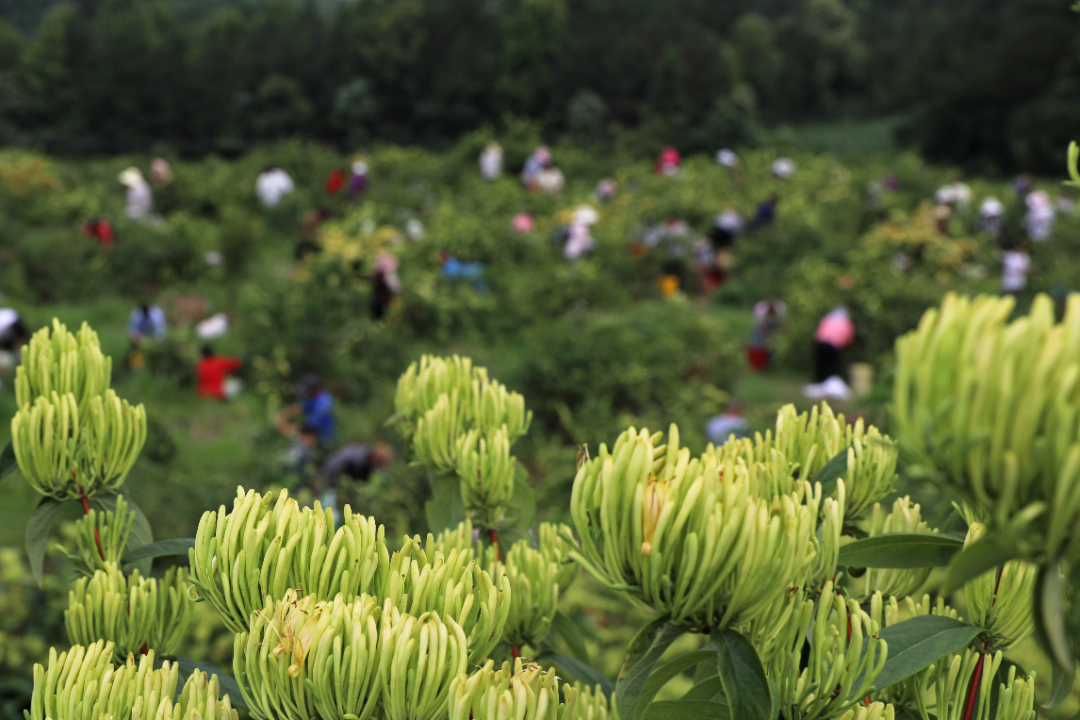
[769,317]
[13,335]
[727,424]
[1039,221]
[356,461]
[1015,266]
[310,228]
[100,230]
[386,285]
[727,158]
[140,198]
[160,172]
[335,181]
[523,223]
[146,322]
[272,185]
[783,168]
[834,333]
[491,162]
[605,190]
[454,270]
[668,162]
[579,239]
[213,372]
[991,219]
[1022,183]
[550,180]
[358,180]
[540,159]
[726,229]
[316,406]
[212,327]
[1064,204]
[765,213]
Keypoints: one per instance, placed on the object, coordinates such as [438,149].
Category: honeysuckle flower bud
[592,704]
[1002,600]
[830,530]
[418,660]
[455,586]
[62,362]
[112,532]
[718,556]
[991,407]
[904,516]
[948,682]
[839,672]
[486,470]
[556,547]
[65,452]
[523,692]
[265,547]
[534,592]
[133,613]
[82,684]
[873,711]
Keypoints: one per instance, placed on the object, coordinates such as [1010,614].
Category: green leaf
[660,677]
[830,472]
[641,656]
[228,685]
[706,689]
[523,501]
[901,550]
[687,710]
[140,534]
[749,695]
[569,631]
[37,534]
[919,642]
[1060,687]
[161,548]
[1050,618]
[583,672]
[979,557]
[8,464]
[445,509]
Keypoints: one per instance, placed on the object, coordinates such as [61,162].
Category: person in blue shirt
[316,404]
[146,321]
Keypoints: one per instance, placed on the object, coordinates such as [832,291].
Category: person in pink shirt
[834,333]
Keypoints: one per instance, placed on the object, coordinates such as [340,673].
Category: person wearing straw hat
[140,199]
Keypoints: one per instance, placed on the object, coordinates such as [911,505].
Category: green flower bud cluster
[993,407]
[906,517]
[133,613]
[521,692]
[1002,600]
[72,435]
[266,547]
[82,684]
[62,363]
[873,711]
[556,546]
[304,658]
[691,538]
[455,586]
[459,421]
[592,704]
[534,592]
[112,528]
[839,671]
[803,443]
[830,530]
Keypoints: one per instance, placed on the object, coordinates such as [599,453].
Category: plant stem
[495,541]
[973,689]
[515,651]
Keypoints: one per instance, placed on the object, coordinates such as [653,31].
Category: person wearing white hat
[358,180]
[140,199]
[272,185]
[991,217]
[491,161]
[783,168]
[727,158]
[1039,221]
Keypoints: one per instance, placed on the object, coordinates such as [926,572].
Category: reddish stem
[86,510]
[973,689]
[498,550]
[515,651]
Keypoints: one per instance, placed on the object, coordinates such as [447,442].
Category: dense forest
[989,84]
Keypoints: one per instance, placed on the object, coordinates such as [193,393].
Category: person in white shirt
[1015,266]
[491,162]
[272,185]
[140,199]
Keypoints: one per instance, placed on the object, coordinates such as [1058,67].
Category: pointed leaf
[161,548]
[919,642]
[979,557]
[583,672]
[228,685]
[8,463]
[140,534]
[687,710]
[1050,618]
[1060,687]
[642,655]
[706,689]
[748,693]
[445,509]
[37,533]
[830,472]
[569,631]
[659,677]
[901,550]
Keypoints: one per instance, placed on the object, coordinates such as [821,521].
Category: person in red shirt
[212,371]
[100,230]
[335,181]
